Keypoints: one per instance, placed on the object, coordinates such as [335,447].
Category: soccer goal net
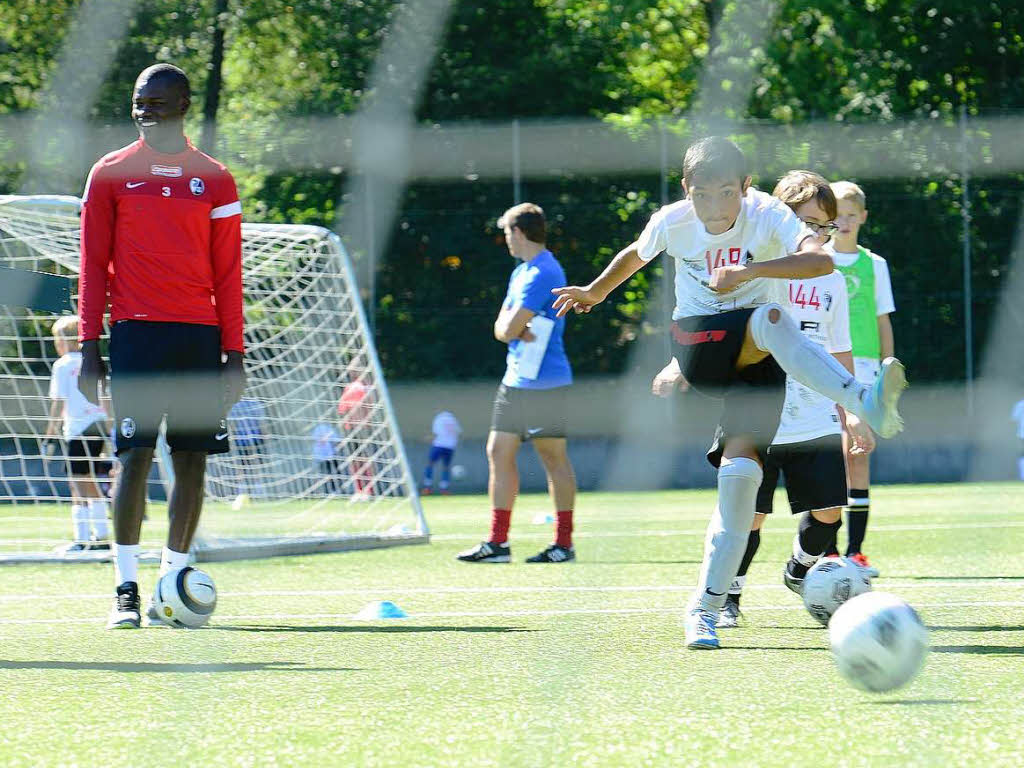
[316,461]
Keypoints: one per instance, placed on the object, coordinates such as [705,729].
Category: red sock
[500,521]
[563,529]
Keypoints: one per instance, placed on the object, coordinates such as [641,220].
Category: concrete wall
[623,438]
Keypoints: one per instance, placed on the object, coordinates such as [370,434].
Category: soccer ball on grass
[830,583]
[185,599]
[878,642]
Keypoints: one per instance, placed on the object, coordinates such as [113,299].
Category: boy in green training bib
[871,303]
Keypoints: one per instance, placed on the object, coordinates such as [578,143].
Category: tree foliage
[629,62]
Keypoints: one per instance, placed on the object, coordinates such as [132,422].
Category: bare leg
[503,482]
[130,499]
[561,477]
[186,499]
[84,487]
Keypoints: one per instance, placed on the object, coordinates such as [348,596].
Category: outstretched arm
[626,263]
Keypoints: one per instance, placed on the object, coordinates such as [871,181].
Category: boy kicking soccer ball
[732,339]
[808,448]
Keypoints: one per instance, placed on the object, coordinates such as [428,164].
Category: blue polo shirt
[530,287]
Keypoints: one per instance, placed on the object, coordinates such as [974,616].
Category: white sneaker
[881,401]
[124,613]
[700,630]
[730,617]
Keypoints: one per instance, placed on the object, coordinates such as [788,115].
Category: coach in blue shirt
[532,401]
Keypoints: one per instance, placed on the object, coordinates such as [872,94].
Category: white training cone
[380,609]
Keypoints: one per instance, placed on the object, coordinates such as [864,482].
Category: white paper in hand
[531,353]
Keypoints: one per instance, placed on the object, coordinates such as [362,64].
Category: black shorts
[530,413]
[171,369]
[815,475]
[84,449]
[707,349]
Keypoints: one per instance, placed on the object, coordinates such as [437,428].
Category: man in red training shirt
[162,235]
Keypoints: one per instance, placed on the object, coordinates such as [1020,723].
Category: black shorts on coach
[531,413]
[707,348]
[171,369]
[815,475]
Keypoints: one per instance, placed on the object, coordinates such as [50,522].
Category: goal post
[316,463]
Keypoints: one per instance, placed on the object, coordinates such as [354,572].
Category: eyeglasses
[823,230]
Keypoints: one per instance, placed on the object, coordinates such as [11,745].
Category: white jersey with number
[765,229]
[446,430]
[79,414]
[820,307]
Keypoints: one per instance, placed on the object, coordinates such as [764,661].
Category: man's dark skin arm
[94,371]
[234,377]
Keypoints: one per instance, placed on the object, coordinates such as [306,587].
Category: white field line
[674,609]
[541,532]
[937,583]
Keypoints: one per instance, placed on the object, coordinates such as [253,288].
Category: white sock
[1020,467]
[80,522]
[728,531]
[804,360]
[802,557]
[172,561]
[98,516]
[737,585]
[126,563]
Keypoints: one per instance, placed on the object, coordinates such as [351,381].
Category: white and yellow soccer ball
[185,599]
[830,583]
[878,641]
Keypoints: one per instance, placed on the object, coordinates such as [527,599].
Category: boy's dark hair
[529,219]
[797,187]
[714,158]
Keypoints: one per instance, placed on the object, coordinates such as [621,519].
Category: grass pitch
[578,664]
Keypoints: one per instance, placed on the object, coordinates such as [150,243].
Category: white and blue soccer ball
[830,583]
[185,599]
[458,471]
[878,641]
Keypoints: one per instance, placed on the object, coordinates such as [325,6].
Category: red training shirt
[164,234]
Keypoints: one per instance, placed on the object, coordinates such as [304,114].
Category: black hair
[169,72]
[714,158]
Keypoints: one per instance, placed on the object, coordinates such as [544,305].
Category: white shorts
[866,369]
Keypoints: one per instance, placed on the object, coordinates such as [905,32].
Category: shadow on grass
[982,628]
[925,702]
[143,666]
[351,628]
[981,650]
[731,647]
[960,578]
[643,562]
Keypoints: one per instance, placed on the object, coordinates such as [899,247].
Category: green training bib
[860,284]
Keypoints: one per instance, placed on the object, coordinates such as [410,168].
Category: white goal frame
[301,300]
